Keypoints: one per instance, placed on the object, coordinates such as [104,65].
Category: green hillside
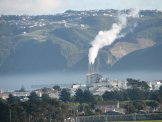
[61,42]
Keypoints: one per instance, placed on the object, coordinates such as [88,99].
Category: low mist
[49,79]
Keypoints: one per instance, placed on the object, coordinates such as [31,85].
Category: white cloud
[29,6]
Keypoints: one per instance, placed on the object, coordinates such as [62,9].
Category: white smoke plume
[106,38]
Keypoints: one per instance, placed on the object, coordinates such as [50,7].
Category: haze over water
[15,81]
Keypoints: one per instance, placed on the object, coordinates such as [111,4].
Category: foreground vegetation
[141,121]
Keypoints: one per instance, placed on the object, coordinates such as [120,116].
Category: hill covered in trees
[61,42]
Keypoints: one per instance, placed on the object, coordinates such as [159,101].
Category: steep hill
[33,56]
[145,59]
[61,42]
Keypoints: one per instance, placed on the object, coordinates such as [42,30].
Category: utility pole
[29,117]
[135,116]
[128,108]
[10,114]
[50,117]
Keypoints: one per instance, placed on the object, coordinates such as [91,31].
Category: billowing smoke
[106,38]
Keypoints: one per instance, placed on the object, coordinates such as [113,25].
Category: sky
[39,7]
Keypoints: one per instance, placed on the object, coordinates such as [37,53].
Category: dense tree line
[37,109]
[136,94]
[137,90]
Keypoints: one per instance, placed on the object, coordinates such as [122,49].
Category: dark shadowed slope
[145,59]
[35,56]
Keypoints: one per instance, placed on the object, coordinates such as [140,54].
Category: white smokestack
[106,38]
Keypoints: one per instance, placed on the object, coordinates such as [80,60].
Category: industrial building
[92,76]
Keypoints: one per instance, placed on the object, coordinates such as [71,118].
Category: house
[50,91]
[4,95]
[112,106]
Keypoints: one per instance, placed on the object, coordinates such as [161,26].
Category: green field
[141,121]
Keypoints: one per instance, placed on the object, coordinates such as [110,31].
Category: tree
[45,90]
[98,98]
[18,113]
[160,92]
[123,95]
[85,108]
[130,108]
[144,85]
[88,97]
[155,96]
[45,97]
[79,96]
[84,96]
[139,105]
[116,95]
[108,96]
[134,84]
[33,96]
[13,99]
[57,88]
[4,111]
[136,94]
[153,104]
[65,95]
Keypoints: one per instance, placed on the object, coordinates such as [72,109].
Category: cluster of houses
[68,19]
[23,95]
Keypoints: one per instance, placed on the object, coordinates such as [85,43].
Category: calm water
[15,81]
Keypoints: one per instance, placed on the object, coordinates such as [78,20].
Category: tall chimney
[90,68]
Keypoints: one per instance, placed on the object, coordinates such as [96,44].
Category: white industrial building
[98,85]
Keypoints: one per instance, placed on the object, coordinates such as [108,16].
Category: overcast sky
[34,7]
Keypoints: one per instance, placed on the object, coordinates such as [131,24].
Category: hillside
[144,59]
[32,56]
[61,42]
